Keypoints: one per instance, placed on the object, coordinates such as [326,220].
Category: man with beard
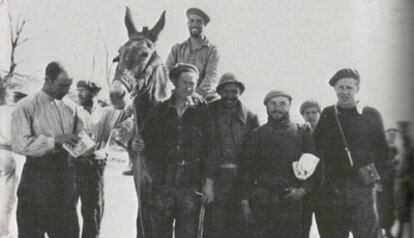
[197,50]
[174,134]
[42,123]
[98,122]
[352,147]
[310,111]
[269,184]
[230,123]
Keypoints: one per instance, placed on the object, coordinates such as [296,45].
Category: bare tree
[16,40]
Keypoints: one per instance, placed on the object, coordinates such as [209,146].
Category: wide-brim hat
[344,73]
[182,67]
[229,78]
[198,12]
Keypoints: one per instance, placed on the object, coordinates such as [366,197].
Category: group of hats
[229,78]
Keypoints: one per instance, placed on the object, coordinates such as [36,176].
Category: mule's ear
[155,31]
[129,23]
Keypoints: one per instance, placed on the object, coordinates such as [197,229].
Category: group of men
[204,153]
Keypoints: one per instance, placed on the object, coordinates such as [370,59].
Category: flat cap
[198,12]
[228,78]
[344,73]
[308,104]
[91,86]
[276,93]
[182,67]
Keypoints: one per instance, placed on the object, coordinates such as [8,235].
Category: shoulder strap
[348,152]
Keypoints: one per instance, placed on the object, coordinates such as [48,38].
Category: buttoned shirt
[205,58]
[37,120]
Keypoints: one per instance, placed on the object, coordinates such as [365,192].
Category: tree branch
[15,40]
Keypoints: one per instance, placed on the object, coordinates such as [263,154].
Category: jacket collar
[359,107]
[169,105]
[241,111]
[280,124]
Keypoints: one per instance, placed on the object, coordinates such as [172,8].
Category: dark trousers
[347,206]
[169,203]
[90,191]
[224,218]
[46,198]
[386,204]
[275,216]
[309,207]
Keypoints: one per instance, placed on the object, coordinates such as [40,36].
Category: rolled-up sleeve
[24,142]
[208,83]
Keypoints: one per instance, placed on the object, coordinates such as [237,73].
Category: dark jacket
[268,156]
[242,124]
[175,149]
[364,134]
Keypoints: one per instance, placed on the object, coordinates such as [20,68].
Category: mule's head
[133,57]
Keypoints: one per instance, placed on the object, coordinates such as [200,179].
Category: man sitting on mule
[197,50]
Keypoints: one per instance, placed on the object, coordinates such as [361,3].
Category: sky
[295,46]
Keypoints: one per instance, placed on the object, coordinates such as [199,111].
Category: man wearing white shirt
[98,122]
[42,123]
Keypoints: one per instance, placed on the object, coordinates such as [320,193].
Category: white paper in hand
[305,166]
[84,146]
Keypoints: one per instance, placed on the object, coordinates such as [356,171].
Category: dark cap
[181,67]
[228,78]
[198,12]
[276,93]
[91,86]
[344,73]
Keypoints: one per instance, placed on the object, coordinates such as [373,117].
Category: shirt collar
[205,41]
[43,95]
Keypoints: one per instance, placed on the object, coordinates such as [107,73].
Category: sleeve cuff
[50,143]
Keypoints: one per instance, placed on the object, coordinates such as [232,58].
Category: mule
[142,77]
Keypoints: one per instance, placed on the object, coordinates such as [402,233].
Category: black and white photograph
[206,119]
